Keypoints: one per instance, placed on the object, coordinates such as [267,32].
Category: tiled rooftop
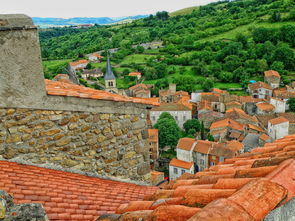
[246,187]
[259,84]
[182,164]
[265,107]
[186,143]
[58,88]
[272,73]
[64,195]
[74,63]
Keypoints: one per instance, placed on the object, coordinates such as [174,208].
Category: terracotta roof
[210,96]
[246,187]
[283,93]
[263,119]
[153,135]
[259,84]
[264,137]
[185,101]
[186,143]
[290,116]
[249,99]
[97,55]
[204,105]
[163,93]
[64,195]
[228,123]
[254,127]
[72,90]
[182,164]
[182,93]
[234,145]
[75,63]
[171,107]
[272,73]
[233,103]
[203,146]
[265,107]
[62,78]
[278,120]
[217,90]
[236,114]
[134,74]
[221,150]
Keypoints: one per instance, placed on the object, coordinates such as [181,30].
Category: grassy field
[184,11]
[136,58]
[245,29]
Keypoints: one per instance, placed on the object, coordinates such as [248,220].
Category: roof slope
[109,75]
[72,90]
[186,143]
[64,195]
[259,84]
[246,187]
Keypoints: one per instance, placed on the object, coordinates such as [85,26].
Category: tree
[202,131]
[207,85]
[291,103]
[210,137]
[169,132]
[192,124]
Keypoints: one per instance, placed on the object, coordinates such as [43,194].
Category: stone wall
[105,144]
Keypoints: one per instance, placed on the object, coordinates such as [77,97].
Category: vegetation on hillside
[224,42]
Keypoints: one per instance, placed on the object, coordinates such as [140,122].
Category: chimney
[172,88]
[21,75]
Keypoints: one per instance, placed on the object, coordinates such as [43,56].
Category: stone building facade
[94,133]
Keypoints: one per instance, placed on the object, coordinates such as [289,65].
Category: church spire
[109,73]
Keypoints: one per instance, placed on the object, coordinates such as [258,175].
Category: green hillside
[184,11]
[224,43]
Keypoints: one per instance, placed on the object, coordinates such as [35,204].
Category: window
[184,118]
[212,163]
[175,170]
[111,84]
[176,118]
[154,118]
[202,162]
[182,172]
[221,159]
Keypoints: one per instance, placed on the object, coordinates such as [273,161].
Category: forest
[224,44]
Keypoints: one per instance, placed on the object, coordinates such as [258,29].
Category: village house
[265,108]
[184,149]
[220,152]
[255,129]
[154,145]
[179,167]
[278,128]
[94,57]
[135,74]
[167,96]
[272,78]
[95,73]
[260,90]
[290,116]
[240,116]
[227,129]
[78,65]
[140,90]
[180,112]
[200,154]
[279,104]
[249,104]
[285,94]
[233,104]
[208,117]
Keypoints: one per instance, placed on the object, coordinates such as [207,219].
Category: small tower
[110,79]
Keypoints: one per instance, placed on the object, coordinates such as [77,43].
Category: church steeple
[110,79]
[109,72]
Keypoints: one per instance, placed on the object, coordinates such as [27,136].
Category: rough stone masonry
[98,136]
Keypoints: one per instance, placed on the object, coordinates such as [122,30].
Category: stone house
[179,167]
[154,145]
[218,153]
[273,78]
[278,128]
[140,90]
[279,104]
[209,116]
[284,94]
[167,96]
[265,108]
[94,57]
[254,129]
[249,104]
[180,112]
[233,104]
[290,116]
[200,154]
[240,116]
[184,149]
[225,129]
[79,65]
[260,90]
[135,74]
[88,74]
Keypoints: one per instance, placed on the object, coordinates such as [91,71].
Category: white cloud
[93,8]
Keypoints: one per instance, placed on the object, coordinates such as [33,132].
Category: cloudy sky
[93,8]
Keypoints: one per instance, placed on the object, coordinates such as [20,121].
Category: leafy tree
[291,103]
[202,131]
[169,132]
[210,137]
[192,124]
[192,132]
[207,85]
[166,115]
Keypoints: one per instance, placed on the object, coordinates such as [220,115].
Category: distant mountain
[49,22]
